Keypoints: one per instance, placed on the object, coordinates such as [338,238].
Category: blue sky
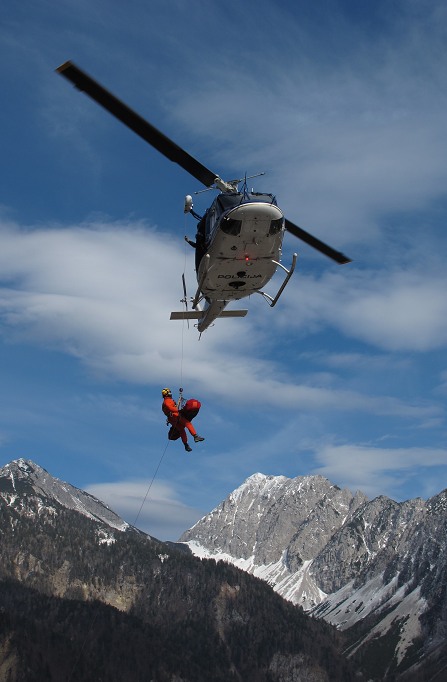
[342,105]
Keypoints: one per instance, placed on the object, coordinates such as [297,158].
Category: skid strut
[202,279]
[284,284]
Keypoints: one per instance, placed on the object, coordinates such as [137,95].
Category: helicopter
[239,238]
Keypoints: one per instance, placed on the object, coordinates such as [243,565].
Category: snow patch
[349,605]
[298,588]
[50,488]
[407,612]
[105,538]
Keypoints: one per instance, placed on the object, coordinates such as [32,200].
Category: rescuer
[198,245]
[178,420]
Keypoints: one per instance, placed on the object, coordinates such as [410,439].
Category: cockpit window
[262,198]
[231,226]
[227,201]
[275,226]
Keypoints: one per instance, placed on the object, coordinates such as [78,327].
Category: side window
[210,221]
[208,224]
[231,226]
[201,226]
[275,226]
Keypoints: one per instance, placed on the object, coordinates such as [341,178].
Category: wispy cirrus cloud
[349,127]
[405,310]
[442,388]
[101,294]
[376,470]
[162,514]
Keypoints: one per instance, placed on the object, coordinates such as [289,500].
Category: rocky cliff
[84,600]
[25,477]
[378,567]
[274,527]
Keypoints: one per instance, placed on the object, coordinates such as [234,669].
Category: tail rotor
[185,299]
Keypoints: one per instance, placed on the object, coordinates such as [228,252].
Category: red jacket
[169,407]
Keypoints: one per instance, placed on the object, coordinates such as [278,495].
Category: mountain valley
[374,569]
[84,596]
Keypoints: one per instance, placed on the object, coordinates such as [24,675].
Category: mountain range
[85,597]
[373,569]
[21,477]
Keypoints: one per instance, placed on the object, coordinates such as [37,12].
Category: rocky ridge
[274,527]
[21,476]
[151,612]
[344,558]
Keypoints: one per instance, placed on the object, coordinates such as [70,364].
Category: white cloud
[375,470]
[102,294]
[442,388]
[128,406]
[357,361]
[433,423]
[162,515]
[347,135]
[405,310]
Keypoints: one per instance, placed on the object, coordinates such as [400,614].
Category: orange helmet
[166,392]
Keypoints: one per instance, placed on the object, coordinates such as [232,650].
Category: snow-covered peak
[266,514]
[24,477]
[254,480]
[258,484]
[342,555]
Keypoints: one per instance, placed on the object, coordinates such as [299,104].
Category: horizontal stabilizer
[233,313]
[188,315]
[200,314]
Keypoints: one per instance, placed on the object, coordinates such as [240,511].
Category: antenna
[231,183]
[201,191]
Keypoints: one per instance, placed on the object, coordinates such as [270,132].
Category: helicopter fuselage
[237,250]
[243,236]
[239,239]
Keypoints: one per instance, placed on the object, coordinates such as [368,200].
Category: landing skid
[200,314]
[273,301]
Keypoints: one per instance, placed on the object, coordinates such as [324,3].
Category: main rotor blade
[313,241]
[186,295]
[139,125]
[184,290]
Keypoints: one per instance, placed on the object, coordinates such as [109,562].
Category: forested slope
[135,609]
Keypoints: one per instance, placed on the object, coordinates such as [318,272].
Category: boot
[197,438]
[188,448]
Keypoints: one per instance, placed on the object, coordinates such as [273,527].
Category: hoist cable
[181,394]
[85,640]
[150,485]
[153,477]
[185,306]
[100,602]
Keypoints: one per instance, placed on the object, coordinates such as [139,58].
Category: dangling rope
[150,485]
[100,602]
[181,391]
[85,640]
[153,477]
[185,307]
